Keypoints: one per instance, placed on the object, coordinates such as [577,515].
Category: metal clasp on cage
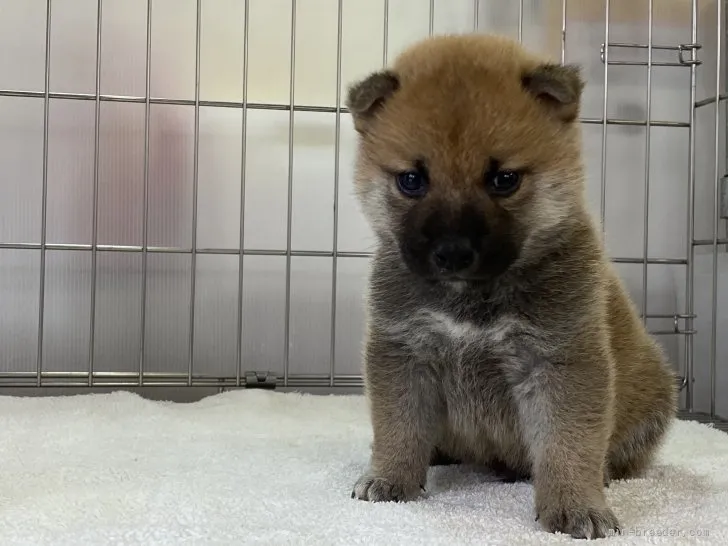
[677,328]
[681,50]
[681,54]
[261,380]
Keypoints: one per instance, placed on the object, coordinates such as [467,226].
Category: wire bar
[145,220]
[716,208]
[337,174]
[131,379]
[690,223]
[605,116]
[710,100]
[195,191]
[95,198]
[44,196]
[385,44]
[287,107]
[271,252]
[563,31]
[431,26]
[289,210]
[520,20]
[243,167]
[648,151]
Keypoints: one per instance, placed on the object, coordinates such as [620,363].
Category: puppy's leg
[404,408]
[646,387]
[566,412]
[635,450]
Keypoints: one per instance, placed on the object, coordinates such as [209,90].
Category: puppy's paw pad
[375,489]
[580,522]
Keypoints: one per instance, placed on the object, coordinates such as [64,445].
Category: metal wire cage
[176,204]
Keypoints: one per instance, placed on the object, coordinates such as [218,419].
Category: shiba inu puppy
[498,330]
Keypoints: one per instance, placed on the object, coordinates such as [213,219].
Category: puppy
[498,330]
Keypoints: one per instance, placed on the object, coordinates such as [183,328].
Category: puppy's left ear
[367,96]
[557,87]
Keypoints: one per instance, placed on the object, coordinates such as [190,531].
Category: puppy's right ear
[366,96]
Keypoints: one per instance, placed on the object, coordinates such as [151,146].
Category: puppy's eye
[412,184]
[502,182]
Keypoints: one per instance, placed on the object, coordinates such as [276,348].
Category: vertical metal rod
[690,235]
[289,220]
[725,119]
[563,32]
[716,208]
[431,30]
[44,198]
[145,224]
[195,184]
[476,13]
[243,166]
[95,228]
[337,166]
[385,44]
[648,134]
[603,181]
[520,21]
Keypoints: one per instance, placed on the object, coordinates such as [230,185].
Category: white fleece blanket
[254,467]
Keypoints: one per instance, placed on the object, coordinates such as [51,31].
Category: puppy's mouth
[456,261]
[464,279]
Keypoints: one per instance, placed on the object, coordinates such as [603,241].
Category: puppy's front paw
[375,489]
[579,521]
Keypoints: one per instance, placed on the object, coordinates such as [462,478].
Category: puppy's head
[468,154]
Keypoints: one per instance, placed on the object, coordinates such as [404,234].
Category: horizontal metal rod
[710,100]
[151,379]
[656,261]
[634,122]
[632,45]
[167,101]
[643,63]
[670,316]
[152,375]
[261,252]
[279,107]
[709,242]
[136,384]
[173,250]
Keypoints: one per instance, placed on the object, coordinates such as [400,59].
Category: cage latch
[686,54]
[688,48]
[260,380]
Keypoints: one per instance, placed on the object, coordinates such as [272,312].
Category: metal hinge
[261,380]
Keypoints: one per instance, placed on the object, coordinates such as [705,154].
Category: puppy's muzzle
[453,256]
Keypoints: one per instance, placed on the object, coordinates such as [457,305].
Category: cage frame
[686,57]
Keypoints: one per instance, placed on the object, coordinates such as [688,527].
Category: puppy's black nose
[453,256]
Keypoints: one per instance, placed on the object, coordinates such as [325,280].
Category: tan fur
[545,368]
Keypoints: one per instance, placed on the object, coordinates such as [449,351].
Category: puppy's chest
[477,365]
[440,334]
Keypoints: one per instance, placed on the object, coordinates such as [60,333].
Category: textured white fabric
[254,467]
